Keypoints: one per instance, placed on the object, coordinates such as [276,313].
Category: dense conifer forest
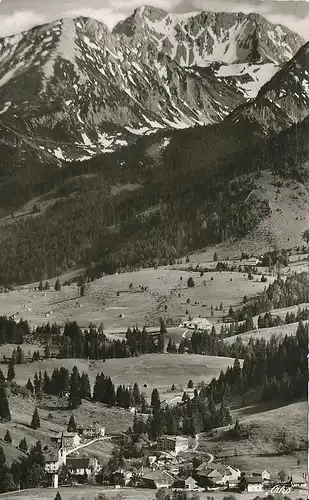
[191,198]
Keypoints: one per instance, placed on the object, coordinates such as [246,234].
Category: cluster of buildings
[208,477]
[68,443]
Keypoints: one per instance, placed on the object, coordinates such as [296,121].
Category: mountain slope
[283,100]
[73,89]
[197,39]
[174,195]
[73,82]
[246,49]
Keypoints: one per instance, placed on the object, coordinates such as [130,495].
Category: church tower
[62,452]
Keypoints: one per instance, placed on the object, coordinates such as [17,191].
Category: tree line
[277,368]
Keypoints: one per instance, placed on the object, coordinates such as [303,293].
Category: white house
[254,484]
[54,461]
[264,473]
[197,324]
[83,466]
[173,443]
[91,431]
[231,475]
[71,439]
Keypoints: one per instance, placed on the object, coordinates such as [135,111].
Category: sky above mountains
[20,15]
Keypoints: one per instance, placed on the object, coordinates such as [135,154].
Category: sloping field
[111,301]
[263,426]
[156,370]
[266,333]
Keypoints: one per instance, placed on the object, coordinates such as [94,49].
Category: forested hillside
[193,194]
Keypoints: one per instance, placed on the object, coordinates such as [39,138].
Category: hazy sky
[19,15]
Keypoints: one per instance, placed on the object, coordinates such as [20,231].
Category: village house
[93,431]
[54,461]
[300,480]
[156,480]
[265,474]
[83,466]
[197,324]
[231,476]
[71,439]
[173,443]
[122,477]
[254,484]
[217,475]
[77,466]
[185,483]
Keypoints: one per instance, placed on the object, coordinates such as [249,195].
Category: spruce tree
[5,414]
[136,395]
[57,285]
[72,424]
[11,372]
[2,458]
[7,437]
[155,400]
[58,496]
[29,386]
[35,422]
[85,390]
[74,390]
[23,445]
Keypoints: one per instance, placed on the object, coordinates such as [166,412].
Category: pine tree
[190,282]
[7,437]
[85,390]
[29,386]
[20,356]
[57,285]
[74,391]
[35,422]
[11,372]
[23,445]
[136,395]
[5,414]
[190,384]
[237,428]
[2,458]
[72,424]
[155,400]
[40,287]
[58,496]
[47,286]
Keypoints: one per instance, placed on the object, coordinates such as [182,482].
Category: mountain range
[74,89]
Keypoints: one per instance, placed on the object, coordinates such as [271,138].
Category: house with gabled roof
[81,466]
[254,484]
[157,479]
[71,439]
[264,473]
[92,431]
[185,483]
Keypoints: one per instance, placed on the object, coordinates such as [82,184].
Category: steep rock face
[283,100]
[203,37]
[72,89]
[73,83]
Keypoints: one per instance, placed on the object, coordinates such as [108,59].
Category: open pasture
[119,301]
[156,370]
